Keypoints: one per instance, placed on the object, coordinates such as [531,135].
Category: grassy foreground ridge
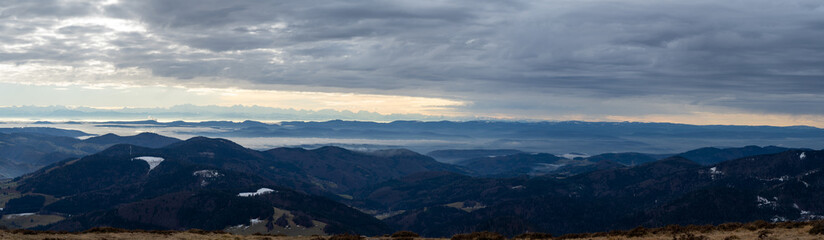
[728,231]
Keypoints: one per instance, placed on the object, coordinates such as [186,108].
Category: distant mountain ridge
[426,136]
[189,111]
[543,163]
[45,131]
[711,155]
[28,149]
[151,140]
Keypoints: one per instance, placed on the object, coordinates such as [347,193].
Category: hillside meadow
[728,231]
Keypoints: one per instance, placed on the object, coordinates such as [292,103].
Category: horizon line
[277,122]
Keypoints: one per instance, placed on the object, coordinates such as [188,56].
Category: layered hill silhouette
[216,184]
[520,163]
[184,184]
[428,136]
[776,187]
[711,155]
[24,150]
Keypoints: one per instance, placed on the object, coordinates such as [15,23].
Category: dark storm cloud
[757,56]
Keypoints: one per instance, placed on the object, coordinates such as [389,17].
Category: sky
[752,62]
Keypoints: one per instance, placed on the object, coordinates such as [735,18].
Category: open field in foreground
[729,231]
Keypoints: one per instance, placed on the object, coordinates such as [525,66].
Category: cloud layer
[533,59]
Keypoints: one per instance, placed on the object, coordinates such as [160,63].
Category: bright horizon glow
[126,96]
[75,96]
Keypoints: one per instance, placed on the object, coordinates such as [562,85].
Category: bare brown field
[730,231]
[743,234]
[8,190]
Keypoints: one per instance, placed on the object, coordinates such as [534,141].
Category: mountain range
[23,150]
[199,183]
[149,181]
[590,138]
[774,187]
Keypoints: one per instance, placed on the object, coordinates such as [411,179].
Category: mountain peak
[219,146]
[675,161]
[398,152]
[712,155]
[206,142]
[103,138]
[123,149]
[331,149]
[145,139]
[147,134]
[281,150]
[667,166]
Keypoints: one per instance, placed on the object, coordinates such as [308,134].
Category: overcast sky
[705,62]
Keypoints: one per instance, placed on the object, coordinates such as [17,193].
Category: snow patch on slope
[257,193]
[207,173]
[714,173]
[780,179]
[802,156]
[152,161]
[764,202]
[19,215]
[252,222]
[795,205]
[777,218]
[806,215]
